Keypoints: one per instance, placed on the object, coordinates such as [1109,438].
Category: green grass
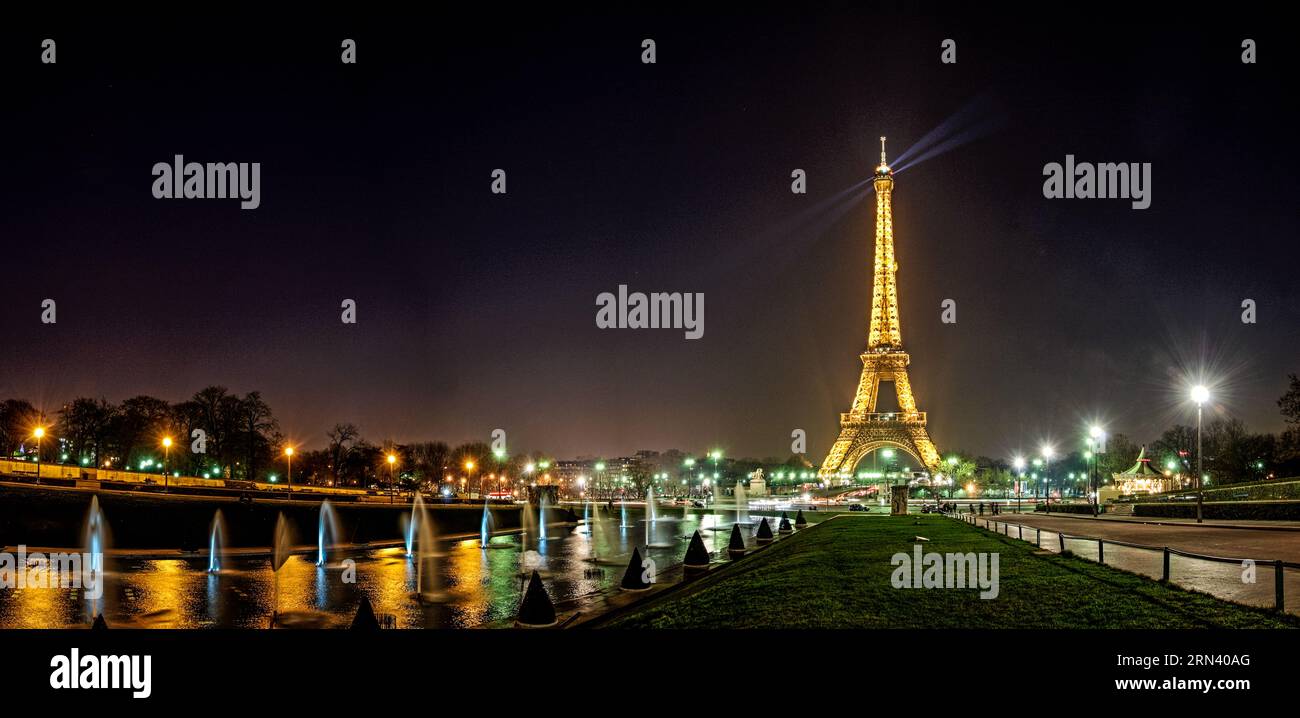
[837,575]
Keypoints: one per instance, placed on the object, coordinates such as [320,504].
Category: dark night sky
[477,311]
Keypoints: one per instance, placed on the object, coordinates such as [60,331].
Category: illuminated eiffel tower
[863,429]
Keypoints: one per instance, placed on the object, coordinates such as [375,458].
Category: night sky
[477,311]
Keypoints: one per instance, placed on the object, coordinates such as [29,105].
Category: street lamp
[1200,395]
[288,458]
[39,434]
[1047,452]
[469,471]
[391,486]
[1019,464]
[167,464]
[1097,435]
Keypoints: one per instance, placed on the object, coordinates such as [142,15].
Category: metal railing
[1279,566]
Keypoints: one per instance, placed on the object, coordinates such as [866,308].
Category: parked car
[857,507]
[931,509]
[697,504]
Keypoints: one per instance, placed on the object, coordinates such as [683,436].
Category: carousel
[1143,478]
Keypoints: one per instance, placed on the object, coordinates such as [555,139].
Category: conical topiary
[736,547]
[799,520]
[365,619]
[536,610]
[633,577]
[764,531]
[697,557]
[99,624]
[785,526]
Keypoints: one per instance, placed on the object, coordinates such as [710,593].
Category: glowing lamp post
[1097,436]
[392,459]
[167,463]
[1019,464]
[288,458]
[39,434]
[1048,452]
[1200,395]
[469,470]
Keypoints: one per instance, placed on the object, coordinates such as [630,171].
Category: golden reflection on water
[477,586]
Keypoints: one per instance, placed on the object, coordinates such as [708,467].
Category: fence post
[1279,594]
[1101,551]
[1166,575]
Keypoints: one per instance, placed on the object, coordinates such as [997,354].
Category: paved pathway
[1231,581]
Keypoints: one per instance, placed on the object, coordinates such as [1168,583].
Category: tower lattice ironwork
[863,429]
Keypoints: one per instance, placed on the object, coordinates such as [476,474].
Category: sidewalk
[1249,524]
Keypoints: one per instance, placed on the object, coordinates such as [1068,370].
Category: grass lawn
[837,575]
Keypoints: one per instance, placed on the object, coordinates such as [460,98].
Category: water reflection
[476,587]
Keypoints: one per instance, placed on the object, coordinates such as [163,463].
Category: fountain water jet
[541,517]
[328,526]
[279,554]
[425,553]
[96,540]
[742,504]
[217,542]
[419,514]
[485,526]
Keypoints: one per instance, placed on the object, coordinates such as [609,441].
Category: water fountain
[96,541]
[279,554]
[527,525]
[650,519]
[419,514]
[742,504]
[328,526]
[426,575]
[622,521]
[217,542]
[541,517]
[485,526]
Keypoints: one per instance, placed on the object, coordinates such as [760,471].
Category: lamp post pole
[39,433]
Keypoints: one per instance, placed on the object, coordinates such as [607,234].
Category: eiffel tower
[863,429]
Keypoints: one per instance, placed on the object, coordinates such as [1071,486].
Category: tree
[342,437]
[1290,402]
[18,419]
[86,424]
[138,429]
[257,429]
[217,414]
[429,459]
[1121,454]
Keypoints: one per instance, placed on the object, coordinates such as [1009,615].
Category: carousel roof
[1143,468]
